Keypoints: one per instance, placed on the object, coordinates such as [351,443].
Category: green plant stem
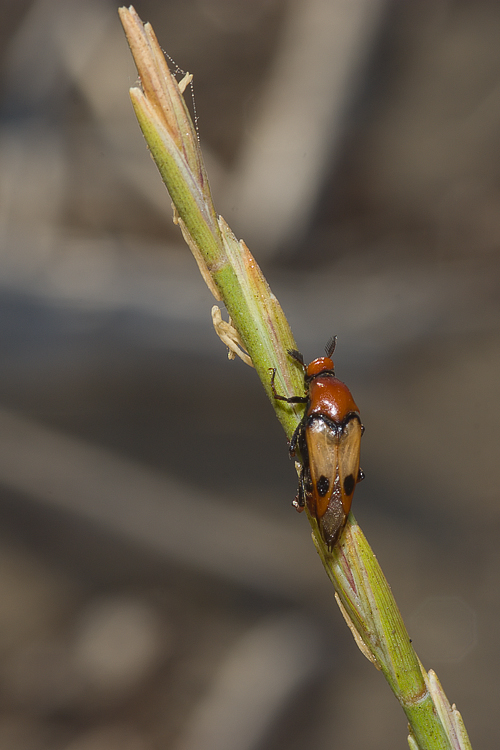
[235,278]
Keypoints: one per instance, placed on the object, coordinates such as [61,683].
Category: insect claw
[297,505]
[327,440]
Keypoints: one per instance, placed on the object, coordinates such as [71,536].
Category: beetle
[328,438]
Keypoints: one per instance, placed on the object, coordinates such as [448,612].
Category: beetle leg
[292,399]
[298,503]
[299,500]
[292,445]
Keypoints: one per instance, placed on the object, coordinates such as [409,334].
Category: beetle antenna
[297,356]
[330,346]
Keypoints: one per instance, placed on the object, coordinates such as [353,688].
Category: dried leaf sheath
[256,314]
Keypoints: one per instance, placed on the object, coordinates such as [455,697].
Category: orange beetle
[329,439]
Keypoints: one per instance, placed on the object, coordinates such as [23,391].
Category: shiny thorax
[329,440]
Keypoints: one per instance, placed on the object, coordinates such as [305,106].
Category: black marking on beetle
[349,484]
[323,485]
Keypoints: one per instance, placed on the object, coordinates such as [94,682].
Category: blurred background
[157,590]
